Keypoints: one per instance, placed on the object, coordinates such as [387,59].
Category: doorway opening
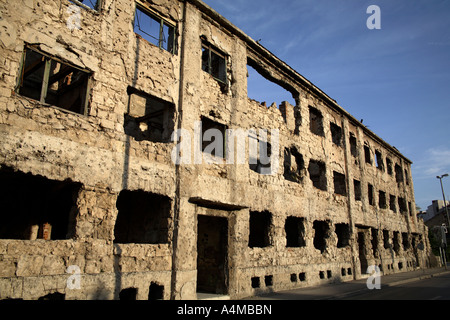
[212,253]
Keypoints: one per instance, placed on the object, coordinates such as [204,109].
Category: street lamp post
[446,213]
[443,195]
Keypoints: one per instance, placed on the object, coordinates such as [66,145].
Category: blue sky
[396,78]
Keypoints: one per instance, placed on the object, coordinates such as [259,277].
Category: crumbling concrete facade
[94,205]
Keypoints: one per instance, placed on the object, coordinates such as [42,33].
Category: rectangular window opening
[260,227]
[49,80]
[398,173]
[155,29]
[293,165]
[316,121]
[295,232]
[317,174]
[149,118]
[261,161]
[268,281]
[340,186]
[382,203]
[374,233]
[353,145]
[402,205]
[367,155]
[35,207]
[343,234]
[386,242]
[142,218]
[336,134]
[214,62]
[213,139]
[321,234]
[392,203]
[155,291]
[379,159]
[370,194]
[389,166]
[256,282]
[357,190]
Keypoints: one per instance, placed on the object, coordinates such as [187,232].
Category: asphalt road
[436,288]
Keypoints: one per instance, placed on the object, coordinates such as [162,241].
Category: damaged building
[93,205]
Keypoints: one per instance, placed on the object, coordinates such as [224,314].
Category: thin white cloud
[435,161]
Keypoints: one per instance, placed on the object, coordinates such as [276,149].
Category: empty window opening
[316,121]
[268,281]
[386,242]
[382,203]
[143,218]
[362,251]
[357,190]
[400,265]
[265,89]
[405,241]
[367,155]
[212,254]
[293,277]
[396,242]
[410,208]
[353,145]
[91,4]
[349,271]
[214,62]
[389,166]
[317,174]
[343,234]
[321,234]
[293,165]
[129,294]
[55,296]
[302,276]
[336,134]
[149,118]
[49,80]
[340,186]
[34,207]
[260,224]
[322,274]
[379,159]
[343,272]
[370,194]
[155,292]
[329,274]
[156,30]
[260,158]
[256,282]
[398,174]
[213,137]
[392,203]
[295,232]
[374,233]
[402,205]
[406,177]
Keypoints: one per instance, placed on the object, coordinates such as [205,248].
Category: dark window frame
[210,52]
[171,41]
[47,62]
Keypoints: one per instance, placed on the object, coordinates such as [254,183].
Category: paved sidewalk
[347,289]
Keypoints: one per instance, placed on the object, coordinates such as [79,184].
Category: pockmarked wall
[134,165]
